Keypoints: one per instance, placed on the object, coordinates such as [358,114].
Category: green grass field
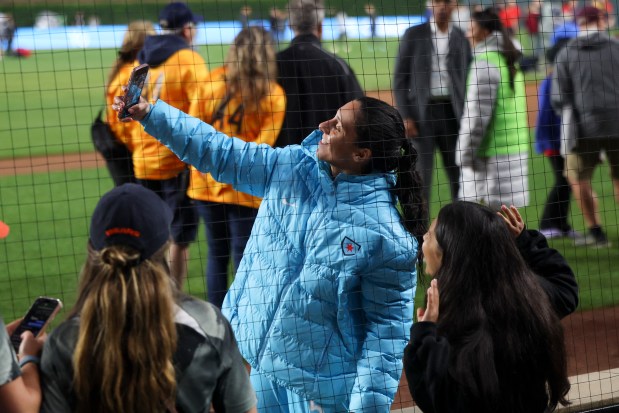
[47,103]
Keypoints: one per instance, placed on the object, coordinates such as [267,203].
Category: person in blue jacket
[322,302]
[554,221]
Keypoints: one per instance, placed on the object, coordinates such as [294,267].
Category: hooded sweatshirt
[586,77]
[178,75]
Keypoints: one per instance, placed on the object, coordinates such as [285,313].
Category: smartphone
[40,314]
[134,88]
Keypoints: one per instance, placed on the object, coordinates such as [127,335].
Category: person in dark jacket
[317,83]
[429,87]
[586,79]
[495,342]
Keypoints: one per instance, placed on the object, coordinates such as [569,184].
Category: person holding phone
[323,298]
[489,338]
[20,388]
[249,104]
[133,342]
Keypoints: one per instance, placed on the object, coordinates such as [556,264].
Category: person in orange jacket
[179,76]
[249,104]
[121,169]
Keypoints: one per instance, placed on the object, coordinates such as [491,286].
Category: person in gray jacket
[429,87]
[586,79]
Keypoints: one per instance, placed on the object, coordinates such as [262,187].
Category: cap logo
[125,231]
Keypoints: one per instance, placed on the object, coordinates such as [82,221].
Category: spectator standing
[179,75]
[7,33]
[277,21]
[133,343]
[245,16]
[121,168]
[321,299]
[533,25]
[554,220]
[370,10]
[340,18]
[506,351]
[592,90]
[510,16]
[20,388]
[493,142]
[317,83]
[249,104]
[80,18]
[429,86]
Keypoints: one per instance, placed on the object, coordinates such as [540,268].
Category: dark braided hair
[380,128]
[489,20]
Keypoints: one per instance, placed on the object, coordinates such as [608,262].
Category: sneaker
[575,235]
[551,233]
[590,240]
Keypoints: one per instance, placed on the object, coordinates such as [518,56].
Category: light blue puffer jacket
[323,300]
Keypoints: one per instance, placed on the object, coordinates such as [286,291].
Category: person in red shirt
[510,16]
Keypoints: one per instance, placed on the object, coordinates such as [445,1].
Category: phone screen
[40,313]
[134,90]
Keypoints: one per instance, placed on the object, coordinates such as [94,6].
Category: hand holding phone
[40,314]
[134,89]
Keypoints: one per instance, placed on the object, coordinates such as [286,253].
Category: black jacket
[427,356]
[413,68]
[317,84]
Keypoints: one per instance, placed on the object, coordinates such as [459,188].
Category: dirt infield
[592,337]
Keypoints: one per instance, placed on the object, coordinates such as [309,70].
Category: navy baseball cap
[131,215]
[177,15]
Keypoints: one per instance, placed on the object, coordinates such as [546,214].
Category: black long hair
[489,20]
[380,128]
[507,341]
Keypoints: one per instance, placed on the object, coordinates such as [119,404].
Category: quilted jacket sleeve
[388,299]
[245,165]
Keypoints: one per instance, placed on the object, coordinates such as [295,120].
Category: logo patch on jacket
[350,247]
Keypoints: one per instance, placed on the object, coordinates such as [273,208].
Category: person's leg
[424,144]
[218,243]
[556,209]
[447,141]
[240,221]
[580,166]
[184,224]
[579,170]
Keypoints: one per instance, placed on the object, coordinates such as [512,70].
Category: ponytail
[489,20]
[380,128]
[127,336]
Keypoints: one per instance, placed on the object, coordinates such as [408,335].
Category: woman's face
[476,33]
[338,146]
[432,252]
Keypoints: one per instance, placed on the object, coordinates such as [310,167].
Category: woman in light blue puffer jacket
[322,302]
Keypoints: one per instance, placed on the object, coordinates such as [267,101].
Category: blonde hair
[133,41]
[127,336]
[251,66]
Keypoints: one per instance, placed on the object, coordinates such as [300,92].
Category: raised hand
[430,313]
[512,219]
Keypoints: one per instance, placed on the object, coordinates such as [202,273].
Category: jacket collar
[305,38]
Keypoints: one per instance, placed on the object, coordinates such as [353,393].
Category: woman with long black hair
[493,342]
[323,298]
